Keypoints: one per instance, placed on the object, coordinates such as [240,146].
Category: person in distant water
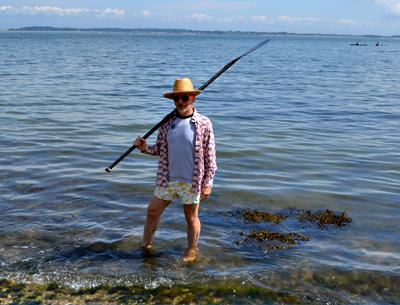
[378,44]
[186,167]
[357,43]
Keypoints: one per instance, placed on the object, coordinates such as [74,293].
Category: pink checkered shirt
[205,164]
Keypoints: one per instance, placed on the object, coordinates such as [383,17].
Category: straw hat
[182,86]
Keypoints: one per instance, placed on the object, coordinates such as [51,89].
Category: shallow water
[304,122]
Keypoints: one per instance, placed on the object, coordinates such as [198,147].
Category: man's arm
[210,163]
[153,150]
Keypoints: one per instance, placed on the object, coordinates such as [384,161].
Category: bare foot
[190,255]
[147,249]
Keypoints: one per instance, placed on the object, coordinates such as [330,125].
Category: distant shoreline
[172,31]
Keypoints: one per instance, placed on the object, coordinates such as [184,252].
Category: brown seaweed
[287,240]
[324,218]
[274,240]
[255,216]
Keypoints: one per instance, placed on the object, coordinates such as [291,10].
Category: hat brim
[171,95]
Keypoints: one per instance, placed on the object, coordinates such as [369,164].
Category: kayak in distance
[358,43]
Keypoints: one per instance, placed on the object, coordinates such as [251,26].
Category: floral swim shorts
[175,190]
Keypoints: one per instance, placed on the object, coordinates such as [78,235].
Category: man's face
[184,103]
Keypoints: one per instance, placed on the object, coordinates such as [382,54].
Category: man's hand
[141,143]
[205,193]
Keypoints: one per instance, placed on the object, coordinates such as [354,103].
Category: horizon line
[159,29]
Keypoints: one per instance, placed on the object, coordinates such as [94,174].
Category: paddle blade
[230,64]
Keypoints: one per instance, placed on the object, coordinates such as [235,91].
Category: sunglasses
[183,98]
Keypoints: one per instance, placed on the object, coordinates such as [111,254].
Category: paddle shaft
[148,134]
[172,113]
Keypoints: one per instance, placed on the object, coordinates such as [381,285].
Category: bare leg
[193,230]
[154,210]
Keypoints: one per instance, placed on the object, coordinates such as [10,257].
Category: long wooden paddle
[171,114]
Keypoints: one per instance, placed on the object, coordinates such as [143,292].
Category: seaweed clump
[324,218]
[275,240]
[255,216]
[220,292]
[285,240]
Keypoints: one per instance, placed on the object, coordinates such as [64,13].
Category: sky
[377,17]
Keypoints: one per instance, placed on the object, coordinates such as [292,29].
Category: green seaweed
[282,288]
[52,287]
[216,292]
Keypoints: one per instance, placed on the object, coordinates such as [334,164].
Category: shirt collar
[195,116]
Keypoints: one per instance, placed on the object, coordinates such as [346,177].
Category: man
[187,165]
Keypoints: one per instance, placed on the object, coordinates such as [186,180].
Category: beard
[185,110]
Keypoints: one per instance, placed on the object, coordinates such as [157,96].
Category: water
[304,123]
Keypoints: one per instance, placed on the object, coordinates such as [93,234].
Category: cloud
[284,19]
[230,19]
[262,19]
[53,10]
[59,11]
[207,5]
[392,6]
[7,9]
[111,11]
[200,17]
[146,14]
[289,19]
[346,22]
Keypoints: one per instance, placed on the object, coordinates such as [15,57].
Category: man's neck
[185,114]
